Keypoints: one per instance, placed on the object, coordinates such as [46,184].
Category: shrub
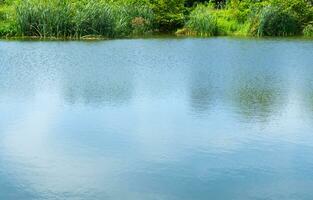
[254,23]
[308,30]
[7,29]
[127,17]
[122,18]
[253,20]
[202,22]
[7,21]
[226,22]
[140,25]
[239,10]
[276,22]
[300,9]
[216,3]
[169,14]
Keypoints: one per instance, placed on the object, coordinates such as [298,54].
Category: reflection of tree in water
[99,87]
[201,92]
[307,95]
[257,99]
[200,98]
[97,93]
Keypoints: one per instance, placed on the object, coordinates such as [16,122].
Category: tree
[169,14]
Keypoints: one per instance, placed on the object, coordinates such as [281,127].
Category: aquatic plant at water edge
[169,14]
[44,18]
[63,18]
[132,18]
[277,22]
[93,18]
[124,18]
[202,22]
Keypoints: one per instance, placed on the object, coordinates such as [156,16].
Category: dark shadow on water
[257,103]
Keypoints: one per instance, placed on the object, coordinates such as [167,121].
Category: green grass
[251,18]
[63,18]
[202,22]
[277,22]
[127,18]
[7,22]
[308,30]
[44,18]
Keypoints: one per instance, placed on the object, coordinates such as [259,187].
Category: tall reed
[202,22]
[94,18]
[66,18]
[132,18]
[44,18]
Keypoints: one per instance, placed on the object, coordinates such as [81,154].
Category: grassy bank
[129,18]
[7,18]
[252,18]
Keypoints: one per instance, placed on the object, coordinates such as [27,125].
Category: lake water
[157,119]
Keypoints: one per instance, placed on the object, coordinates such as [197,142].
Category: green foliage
[44,18]
[7,23]
[169,14]
[263,17]
[123,18]
[202,22]
[301,10]
[190,3]
[93,18]
[7,29]
[205,20]
[63,18]
[308,30]
[239,10]
[132,18]
[277,22]
[227,23]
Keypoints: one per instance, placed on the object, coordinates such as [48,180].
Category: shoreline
[153,36]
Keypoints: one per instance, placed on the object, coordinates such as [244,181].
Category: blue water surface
[157,119]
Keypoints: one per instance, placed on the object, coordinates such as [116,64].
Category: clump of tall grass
[132,19]
[66,18]
[44,18]
[202,22]
[93,18]
[140,26]
[206,21]
[275,21]
[227,22]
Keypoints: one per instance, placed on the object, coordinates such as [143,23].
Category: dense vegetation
[124,18]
